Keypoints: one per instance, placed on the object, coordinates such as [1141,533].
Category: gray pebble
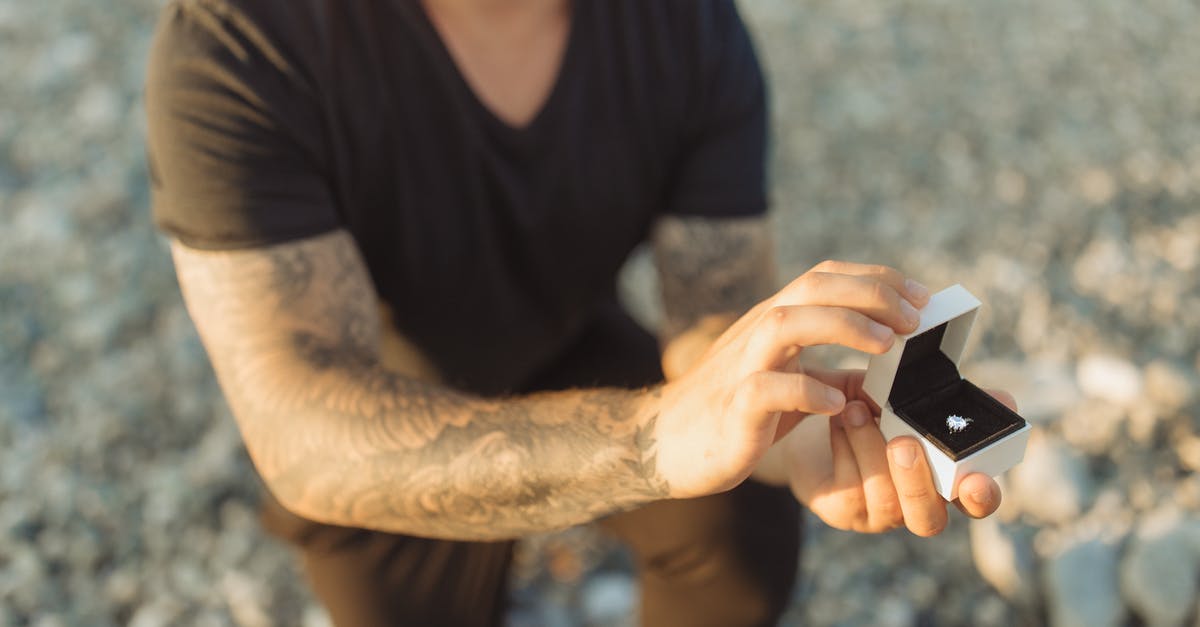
[1081,583]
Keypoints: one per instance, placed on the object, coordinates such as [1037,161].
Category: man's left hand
[857,481]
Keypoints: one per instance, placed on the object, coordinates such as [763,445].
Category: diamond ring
[957,423]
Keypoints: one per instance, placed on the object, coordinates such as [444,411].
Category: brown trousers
[724,560]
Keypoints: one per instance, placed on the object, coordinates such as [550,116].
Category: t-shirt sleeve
[233,134]
[721,168]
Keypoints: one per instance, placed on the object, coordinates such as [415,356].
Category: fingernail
[904,456]
[881,332]
[835,398]
[855,415]
[916,290]
[982,496]
[911,315]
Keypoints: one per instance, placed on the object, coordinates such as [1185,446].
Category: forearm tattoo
[711,266]
[293,332]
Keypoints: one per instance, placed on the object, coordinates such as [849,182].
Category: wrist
[643,443]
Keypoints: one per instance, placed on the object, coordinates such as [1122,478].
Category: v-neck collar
[549,103]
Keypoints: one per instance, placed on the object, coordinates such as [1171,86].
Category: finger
[769,391]
[913,291]
[847,493]
[978,495]
[850,382]
[923,508]
[1004,397]
[870,451]
[785,327]
[867,295]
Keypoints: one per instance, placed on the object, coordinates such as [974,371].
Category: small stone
[157,613]
[1109,378]
[1081,583]
[1005,559]
[1169,386]
[1104,258]
[893,611]
[1052,484]
[1143,424]
[245,597]
[1096,185]
[49,620]
[1093,426]
[122,586]
[608,598]
[992,611]
[1161,569]
[316,616]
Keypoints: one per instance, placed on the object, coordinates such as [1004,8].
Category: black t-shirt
[272,120]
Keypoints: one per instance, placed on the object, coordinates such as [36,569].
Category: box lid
[927,357]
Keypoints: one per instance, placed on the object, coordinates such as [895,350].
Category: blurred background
[1044,153]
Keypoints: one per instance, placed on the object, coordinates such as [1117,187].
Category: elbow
[291,477]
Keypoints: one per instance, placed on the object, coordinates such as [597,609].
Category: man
[397,225]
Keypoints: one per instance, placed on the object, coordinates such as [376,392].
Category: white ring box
[921,393]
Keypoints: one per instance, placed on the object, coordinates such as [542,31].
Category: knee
[692,563]
[721,582]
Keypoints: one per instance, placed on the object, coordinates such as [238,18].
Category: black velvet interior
[928,389]
[923,368]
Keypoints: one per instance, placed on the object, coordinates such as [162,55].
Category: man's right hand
[716,421]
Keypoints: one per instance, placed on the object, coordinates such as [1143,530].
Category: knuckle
[777,315]
[915,493]
[852,506]
[853,321]
[774,321]
[889,513]
[810,284]
[884,294]
[927,528]
[885,273]
[755,385]
[827,265]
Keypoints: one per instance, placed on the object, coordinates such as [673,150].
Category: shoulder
[690,23]
[681,43]
[297,37]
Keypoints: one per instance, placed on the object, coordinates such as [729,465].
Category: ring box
[920,393]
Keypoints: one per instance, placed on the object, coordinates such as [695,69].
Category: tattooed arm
[340,437]
[711,271]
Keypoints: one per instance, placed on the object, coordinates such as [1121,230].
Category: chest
[510,65]
[432,178]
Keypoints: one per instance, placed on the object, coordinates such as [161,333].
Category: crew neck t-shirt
[494,246]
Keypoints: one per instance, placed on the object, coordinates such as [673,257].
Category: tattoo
[293,332]
[712,266]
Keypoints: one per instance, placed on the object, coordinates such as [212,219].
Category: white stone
[1143,423]
[893,611]
[1169,386]
[316,616]
[1004,558]
[1093,426]
[1109,378]
[608,598]
[1052,484]
[1161,569]
[156,613]
[1081,585]
[245,596]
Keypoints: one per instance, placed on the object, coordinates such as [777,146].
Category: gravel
[1044,153]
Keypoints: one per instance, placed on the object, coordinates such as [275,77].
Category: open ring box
[921,393]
